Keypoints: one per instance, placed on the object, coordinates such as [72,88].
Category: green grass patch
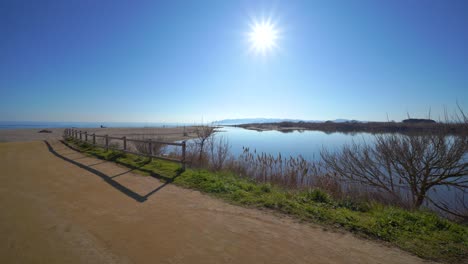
[421,232]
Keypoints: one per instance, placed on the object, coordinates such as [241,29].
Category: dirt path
[53,211]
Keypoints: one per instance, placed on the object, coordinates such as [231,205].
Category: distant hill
[242,121]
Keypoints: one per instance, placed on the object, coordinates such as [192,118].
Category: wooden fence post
[94,138]
[150,145]
[86,136]
[125,142]
[107,142]
[183,154]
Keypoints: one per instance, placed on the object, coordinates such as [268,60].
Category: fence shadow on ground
[108,179]
[97,163]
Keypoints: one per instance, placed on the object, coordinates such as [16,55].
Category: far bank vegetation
[407,126]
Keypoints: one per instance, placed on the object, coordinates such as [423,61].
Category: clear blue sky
[184,61]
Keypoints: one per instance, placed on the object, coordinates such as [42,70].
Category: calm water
[305,143]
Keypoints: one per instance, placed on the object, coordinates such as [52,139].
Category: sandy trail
[53,211]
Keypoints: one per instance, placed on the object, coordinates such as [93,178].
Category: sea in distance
[37,124]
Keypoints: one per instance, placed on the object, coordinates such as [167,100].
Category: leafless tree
[396,162]
[204,133]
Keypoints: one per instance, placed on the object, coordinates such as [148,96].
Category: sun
[263,36]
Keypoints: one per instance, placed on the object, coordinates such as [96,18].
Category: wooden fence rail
[78,135]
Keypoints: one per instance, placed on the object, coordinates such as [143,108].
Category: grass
[420,232]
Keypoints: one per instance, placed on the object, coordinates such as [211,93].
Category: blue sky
[188,61]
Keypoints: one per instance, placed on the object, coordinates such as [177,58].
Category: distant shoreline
[358,127]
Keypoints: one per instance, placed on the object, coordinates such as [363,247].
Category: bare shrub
[219,149]
[192,153]
[330,184]
[460,117]
[141,147]
[114,145]
[101,141]
[156,148]
[400,164]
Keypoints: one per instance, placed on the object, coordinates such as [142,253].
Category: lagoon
[306,143]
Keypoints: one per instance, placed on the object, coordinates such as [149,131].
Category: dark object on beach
[103,126]
[44,131]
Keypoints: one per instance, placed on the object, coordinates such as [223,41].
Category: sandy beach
[32,134]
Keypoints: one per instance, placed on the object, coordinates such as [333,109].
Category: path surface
[53,211]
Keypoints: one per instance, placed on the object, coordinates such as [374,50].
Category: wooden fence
[91,138]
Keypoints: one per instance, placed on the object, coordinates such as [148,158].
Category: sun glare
[263,36]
